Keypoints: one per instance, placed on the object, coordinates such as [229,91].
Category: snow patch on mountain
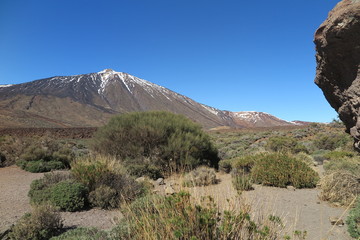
[6,85]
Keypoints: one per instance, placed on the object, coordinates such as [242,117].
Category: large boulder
[337,43]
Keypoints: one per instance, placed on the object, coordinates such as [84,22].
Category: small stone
[169,190]
[290,188]
[318,202]
[315,164]
[160,181]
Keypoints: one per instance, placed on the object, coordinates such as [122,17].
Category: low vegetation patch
[242,181]
[175,217]
[201,176]
[83,234]
[161,140]
[281,170]
[353,221]
[107,181]
[339,187]
[43,223]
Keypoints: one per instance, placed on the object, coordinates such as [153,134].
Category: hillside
[89,100]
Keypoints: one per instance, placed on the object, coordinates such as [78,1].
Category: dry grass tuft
[340,188]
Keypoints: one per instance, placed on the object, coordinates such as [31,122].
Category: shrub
[339,187]
[175,217]
[144,169]
[241,180]
[40,166]
[83,234]
[40,189]
[201,176]
[43,223]
[104,197]
[69,195]
[245,163]
[225,165]
[281,170]
[167,141]
[36,154]
[353,220]
[98,172]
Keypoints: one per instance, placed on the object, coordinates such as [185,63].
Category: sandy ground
[300,209]
[14,202]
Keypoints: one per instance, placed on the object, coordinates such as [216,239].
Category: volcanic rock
[337,43]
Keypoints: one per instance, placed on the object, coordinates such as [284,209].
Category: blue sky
[229,54]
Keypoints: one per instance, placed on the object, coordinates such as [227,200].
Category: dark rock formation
[338,58]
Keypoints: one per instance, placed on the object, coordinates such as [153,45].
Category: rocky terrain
[89,100]
[338,63]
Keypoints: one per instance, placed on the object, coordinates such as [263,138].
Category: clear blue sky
[230,54]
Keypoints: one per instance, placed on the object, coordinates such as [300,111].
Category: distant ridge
[89,100]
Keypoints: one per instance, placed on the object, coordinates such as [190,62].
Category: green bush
[104,197]
[69,195]
[43,223]
[353,220]
[175,217]
[351,165]
[83,234]
[281,170]
[167,141]
[201,176]
[245,163]
[40,166]
[40,189]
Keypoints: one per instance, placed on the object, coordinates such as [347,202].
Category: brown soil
[14,203]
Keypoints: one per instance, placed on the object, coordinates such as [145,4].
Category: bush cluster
[281,170]
[58,190]
[107,181]
[161,140]
[332,141]
[43,223]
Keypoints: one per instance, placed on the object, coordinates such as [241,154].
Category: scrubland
[170,179]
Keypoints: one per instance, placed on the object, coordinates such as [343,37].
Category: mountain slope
[91,99]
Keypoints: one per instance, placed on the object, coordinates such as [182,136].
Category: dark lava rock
[337,43]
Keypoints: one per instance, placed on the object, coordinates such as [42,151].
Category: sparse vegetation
[43,223]
[165,141]
[353,220]
[175,217]
[83,234]
[339,187]
[201,176]
[106,175]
